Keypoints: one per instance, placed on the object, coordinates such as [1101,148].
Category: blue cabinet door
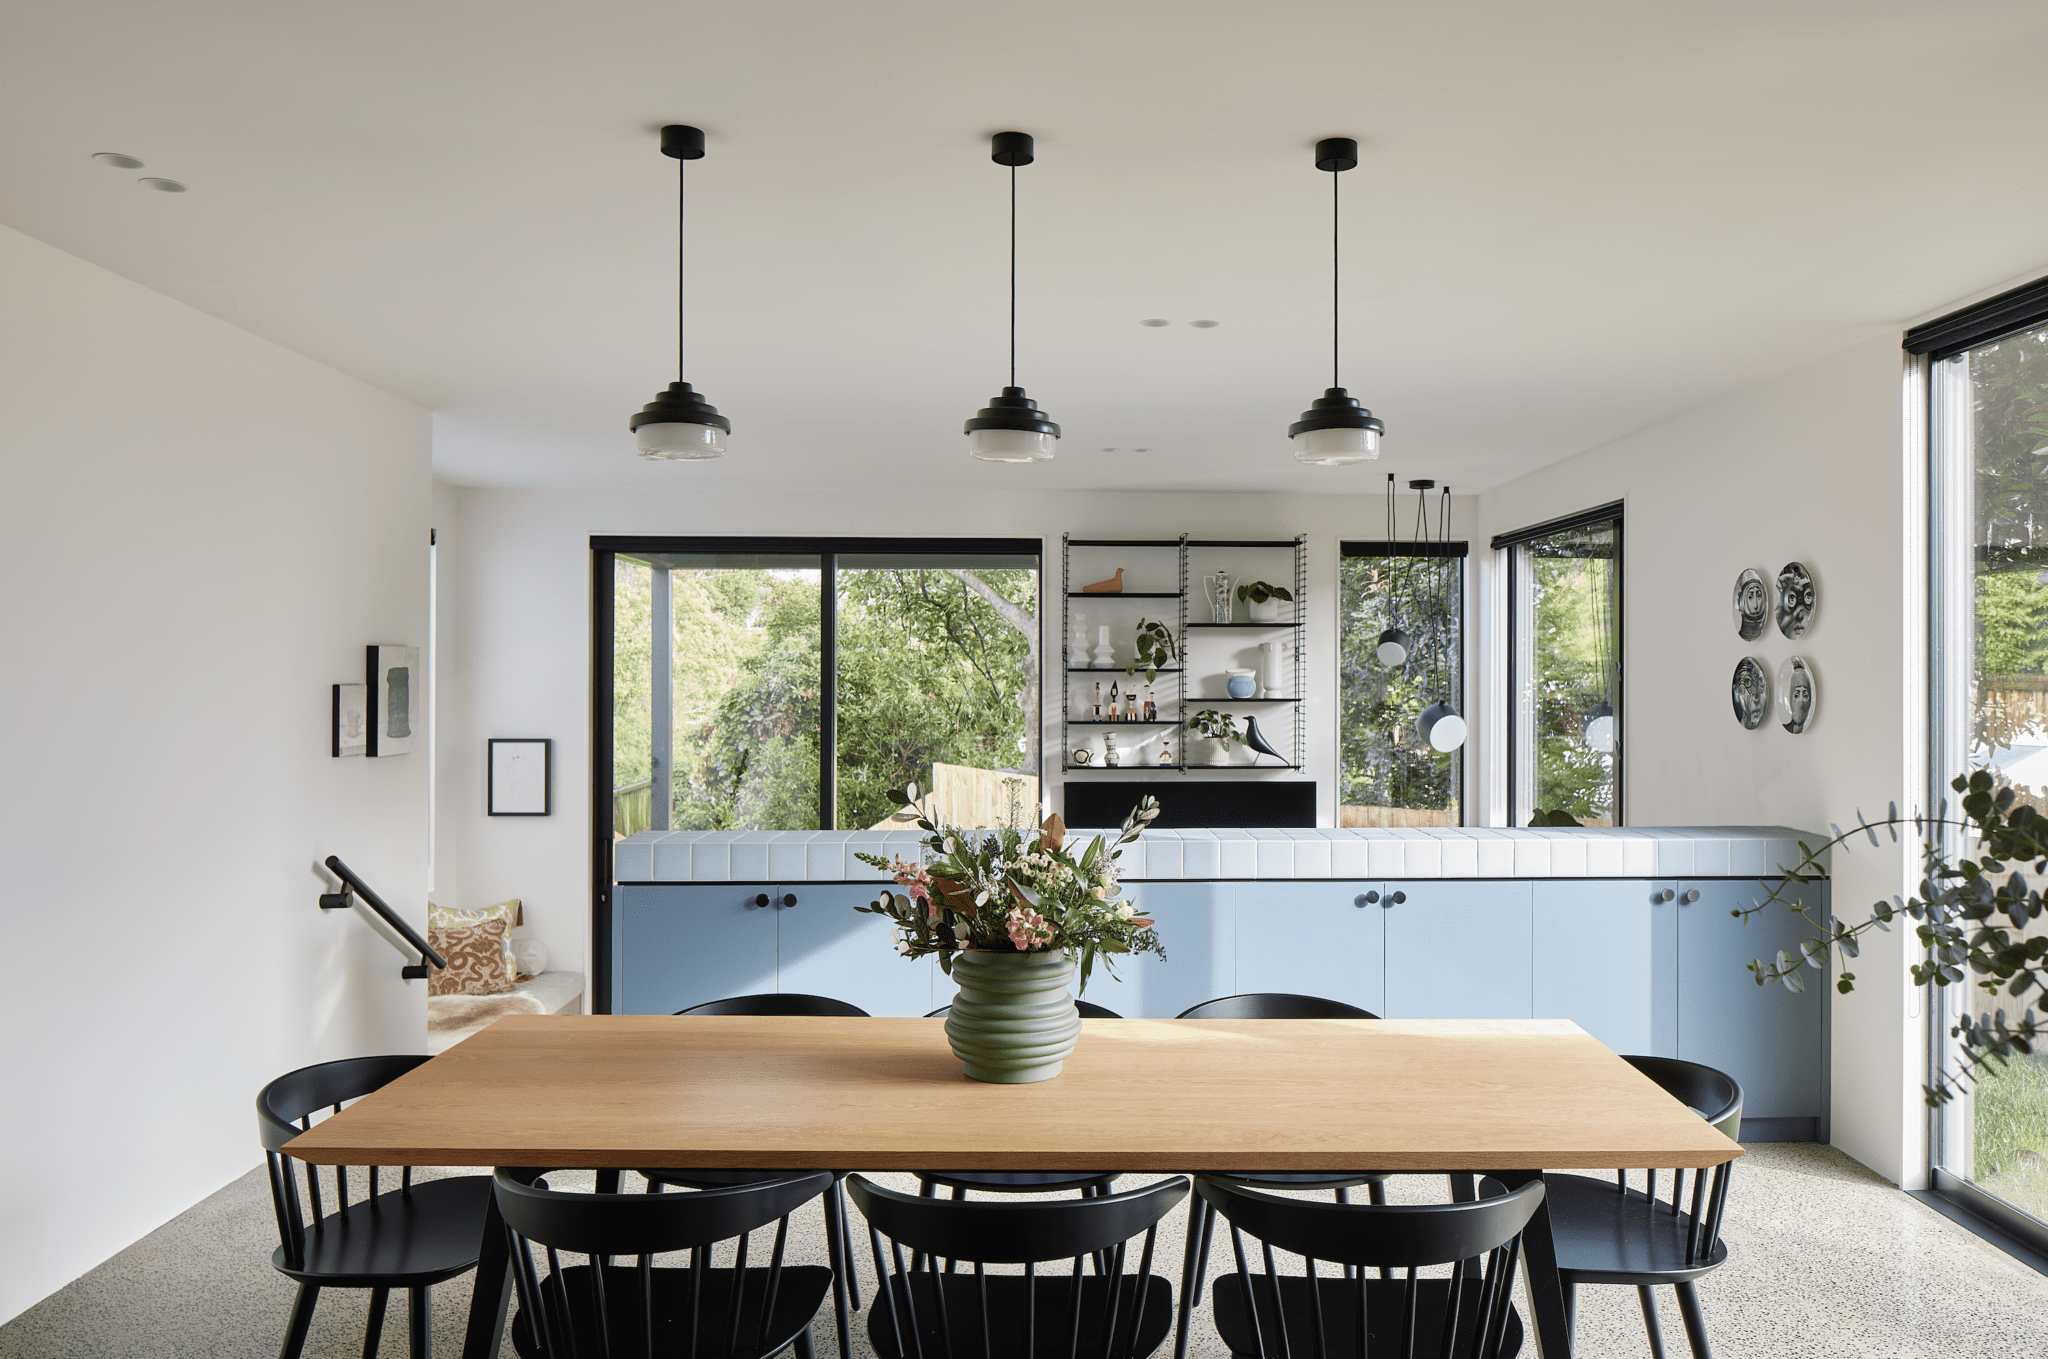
[1197,924]
[1767,1038]
[1314,939]
[1458,950]
[1606,958]
[678,946]
[827,948]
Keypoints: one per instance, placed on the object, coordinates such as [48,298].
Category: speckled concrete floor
[1828,1260]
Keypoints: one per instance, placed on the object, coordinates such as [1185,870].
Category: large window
[1387,774]
[1989,409]
[1565,741]
[782,685]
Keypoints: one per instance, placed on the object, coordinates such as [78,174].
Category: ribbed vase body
[1013,1021]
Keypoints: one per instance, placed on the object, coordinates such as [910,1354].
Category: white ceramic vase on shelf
[1263,610]
[1105,654]
[1275,671]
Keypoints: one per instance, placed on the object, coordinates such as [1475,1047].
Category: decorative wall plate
[1751,690]
[1798,600]
[1798,695]
[1752,605]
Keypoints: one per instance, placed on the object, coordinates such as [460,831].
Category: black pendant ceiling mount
[1011,427]
[679,425]
[1336,430]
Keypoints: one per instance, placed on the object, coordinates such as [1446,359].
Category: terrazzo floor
[1827,1260]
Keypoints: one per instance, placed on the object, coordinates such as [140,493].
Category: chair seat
[1605,1235]
[1016,1181]
[397,1240]
[797,1300]
[1385,1313]
[1005,1332]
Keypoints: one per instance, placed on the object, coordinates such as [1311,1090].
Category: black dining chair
[602,1309]
[1201,1217]
[1469,1314]
[413,1237]
[838,1235]
[1019,1181]
[1612,1234]
[946,1304]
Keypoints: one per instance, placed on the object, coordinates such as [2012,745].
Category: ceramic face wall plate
[1797,600]
[1751,691]
[1798,696]
[1752,605]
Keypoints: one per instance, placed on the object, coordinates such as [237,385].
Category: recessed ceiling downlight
[1205,325]
[1154,321]
[161,185]
[117,160]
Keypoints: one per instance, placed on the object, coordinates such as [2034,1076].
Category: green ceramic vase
[1013,1021]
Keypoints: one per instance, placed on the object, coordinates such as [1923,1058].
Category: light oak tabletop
[1136,1095]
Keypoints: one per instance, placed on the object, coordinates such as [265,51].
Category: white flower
[1098,893]
[1126,910]
[981,897]
[903,944]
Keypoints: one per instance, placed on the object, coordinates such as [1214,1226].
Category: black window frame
[1514,538]
[1380,547]
[605,550]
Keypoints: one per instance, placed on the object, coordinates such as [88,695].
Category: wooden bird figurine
[1113,586]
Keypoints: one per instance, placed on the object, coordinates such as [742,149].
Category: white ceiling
[1571,220]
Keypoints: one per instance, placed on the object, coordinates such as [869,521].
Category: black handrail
[352,885]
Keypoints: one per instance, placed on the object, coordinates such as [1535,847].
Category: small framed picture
[518,777]
[396,692]
[351,734]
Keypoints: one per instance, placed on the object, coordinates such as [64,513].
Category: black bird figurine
[1256,739]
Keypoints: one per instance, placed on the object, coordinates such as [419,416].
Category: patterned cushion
[455,917]
[476,957]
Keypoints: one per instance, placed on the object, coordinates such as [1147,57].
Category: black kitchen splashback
[1186,804]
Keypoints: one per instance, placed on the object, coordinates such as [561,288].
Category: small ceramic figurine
[1113,714]
[1109,751]
[1113,586]
[1131,707]
[1151,708]
[1082,755]
[1165,753]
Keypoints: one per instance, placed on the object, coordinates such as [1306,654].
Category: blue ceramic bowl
[1241,686]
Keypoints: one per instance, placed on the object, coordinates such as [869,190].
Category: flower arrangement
[1013,891]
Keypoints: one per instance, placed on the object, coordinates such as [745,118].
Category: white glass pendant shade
[1600,728]
[1011,445]
[1394,647]
[680,443]
[1441,727]
[1336,447]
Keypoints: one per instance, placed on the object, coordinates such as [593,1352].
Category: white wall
[199,532]
[1812,466]
[519,563]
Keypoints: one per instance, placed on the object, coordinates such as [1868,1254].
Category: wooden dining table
[1512,1098]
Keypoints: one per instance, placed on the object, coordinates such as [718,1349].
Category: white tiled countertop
[1165,855]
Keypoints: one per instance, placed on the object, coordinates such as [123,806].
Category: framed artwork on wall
[351,726]
[517,777]
[396,689]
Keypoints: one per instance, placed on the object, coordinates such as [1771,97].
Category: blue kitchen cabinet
[1313,938]
[1458,950]
[1198,925]
[1772,1041]
[1606,958]
[674,946]
[827,948]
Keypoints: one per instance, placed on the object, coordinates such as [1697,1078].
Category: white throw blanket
[450,1019]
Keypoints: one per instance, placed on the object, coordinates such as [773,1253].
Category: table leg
[493,1292]
[1549,1326]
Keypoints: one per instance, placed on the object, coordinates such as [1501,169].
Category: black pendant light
[1335,430]
[1395,643]
[1011,428]
[679,425]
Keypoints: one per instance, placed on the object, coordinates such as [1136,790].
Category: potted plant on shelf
[1219,729]
[1153,649]
[1011,914]
[1262,600]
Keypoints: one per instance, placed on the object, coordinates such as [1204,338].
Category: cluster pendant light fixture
[1439,724]
[1335,430]
[1011,428]
[1396,642]
[679,425]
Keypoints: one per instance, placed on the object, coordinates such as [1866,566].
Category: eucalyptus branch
[1972,916]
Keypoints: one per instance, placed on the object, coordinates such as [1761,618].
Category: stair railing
[353,886]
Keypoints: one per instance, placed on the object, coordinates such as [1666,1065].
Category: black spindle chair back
[285,1108]
[1469,1314]
[606,1310]
[779,1003]
[1716,1097]
[941,1301]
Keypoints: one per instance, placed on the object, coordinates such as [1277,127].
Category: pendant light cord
[1334,311]
[1013,275]
[681,167]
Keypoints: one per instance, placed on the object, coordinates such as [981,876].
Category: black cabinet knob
[1369,899]
[1396,898]
[759,901]
[789,899]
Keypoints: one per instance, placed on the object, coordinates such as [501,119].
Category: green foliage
[1011,891]
[2009,437]
[2012,623]
[1382,762]
[1154,648]
[1575,658]
[1258,592]
[1217,725]
[1557,817]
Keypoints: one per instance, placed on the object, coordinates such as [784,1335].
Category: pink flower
[1028,928]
